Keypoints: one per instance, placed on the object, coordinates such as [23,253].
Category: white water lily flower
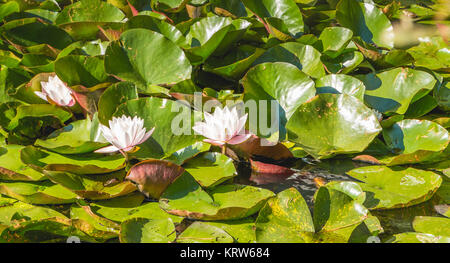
[55,90]
[124,134]
[224,126]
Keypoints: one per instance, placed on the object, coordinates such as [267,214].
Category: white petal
[107,149]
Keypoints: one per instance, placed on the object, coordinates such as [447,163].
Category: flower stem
[224,149]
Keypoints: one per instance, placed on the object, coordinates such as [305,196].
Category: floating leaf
[143,230]
[393,90]
[12,168]
[145,58]
[78,164]
[81,136]
[389,188]
[322,125]
[304,57]
[339,83]
[37,192]
[210,169]
[184,197]
[200,232]
[285,218]
[367,21]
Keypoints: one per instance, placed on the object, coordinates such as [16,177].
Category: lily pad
[403,136]
[145,58]
[367,21]
[412,237]
[116,94]
[264,83]
[283,10]
[143,230]
[304,57]
[438,226]
[210,169]
[200,232]
[37,192]
[321,126]
[392,91]
[285,218]
[93,187]
[340,83]
[184,197]
[126,207]
[79,164]
[12,168]
[389,188]
[78,137]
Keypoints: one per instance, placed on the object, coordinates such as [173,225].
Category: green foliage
[362,94]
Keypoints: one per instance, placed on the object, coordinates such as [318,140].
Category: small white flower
[55,90]
[124,134]
[224,126]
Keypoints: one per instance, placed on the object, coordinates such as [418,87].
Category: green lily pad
[367,21]
[81,70]
[12,168]
[235,63]
[442,95]
[205,36]
[285,218]
[389,188]
[37,192]
[412,237]
[39,111]
[145,58]
[29,31]
[285,11]
[200,232]
[24,210]
[210,169]
[78,137]
[8,8]
[339,83]
[403,137]
[242,231]
[143,230]
[334,40]
[392,91]
[185,197]
[116,94]
[79,164]
[126,207]
[181,156]
[438,226]
[321,126]
[432,54]
[82,19]
[93,187]
[90,11]
[304,57]
[263,83]
[157,25]
[339,205]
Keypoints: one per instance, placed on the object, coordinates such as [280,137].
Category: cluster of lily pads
[87,148]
